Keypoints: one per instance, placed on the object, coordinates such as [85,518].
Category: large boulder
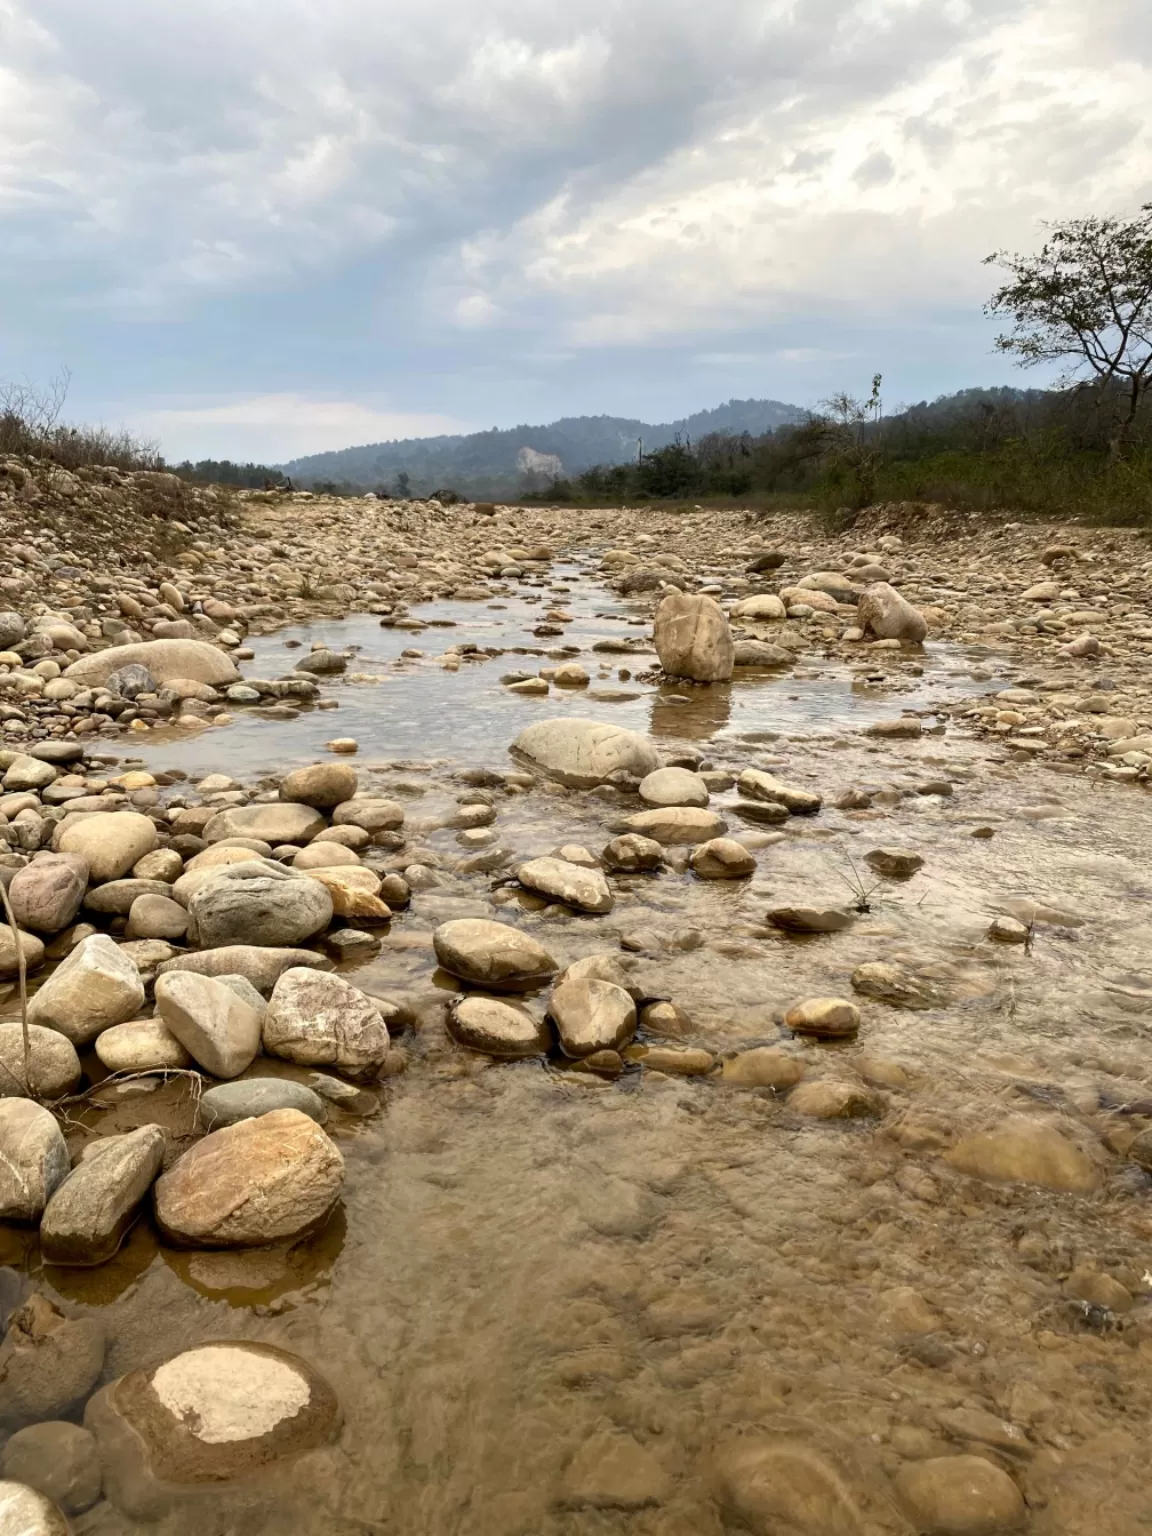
[585,889]
[94,988]
[53,1065]
[34,1159]
[316,1019]
[584,753]
[693,639]
[110,841]
[274,823]
[218,1028]
[257,903]
[48,1363]
[494,955]
[191,1428]
[165,659]
[884,615]
[262,966]
[88,1217]
[259,1181]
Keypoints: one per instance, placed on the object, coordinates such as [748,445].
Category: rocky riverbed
[571,1022]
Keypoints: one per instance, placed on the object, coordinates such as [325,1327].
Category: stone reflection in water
[690,713]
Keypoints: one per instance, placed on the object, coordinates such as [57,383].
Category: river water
[550,1300]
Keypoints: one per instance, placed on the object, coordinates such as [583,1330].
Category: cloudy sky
[261,228]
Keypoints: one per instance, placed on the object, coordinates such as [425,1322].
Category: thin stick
[22,969]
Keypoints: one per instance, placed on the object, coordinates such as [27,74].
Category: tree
[852,446]
[1085,300]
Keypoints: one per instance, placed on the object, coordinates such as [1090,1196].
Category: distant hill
[503,462]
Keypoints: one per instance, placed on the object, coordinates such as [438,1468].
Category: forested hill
[498,462]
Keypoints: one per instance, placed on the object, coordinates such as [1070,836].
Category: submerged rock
[58,1460]
[1025,1151]
[48,1363]
[960,1496]
[497,1027]
[584,753]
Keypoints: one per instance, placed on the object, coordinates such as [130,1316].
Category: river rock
[355,892]
[758,653]
[54,1067]
[592,1016]
[829,1099]
[811,919]
[13,946]
[756,785]
[156,917]
[585,889]
[765,608]
[612,1470]
[25,1511]
[48,1363]
[259,904]
[262,966]
[210,1417]
[633,854]
[316,1019]
[497,1027]
[827,1018]
[218,1029]
[584,753]
[676,824]
[111,841]
[960,1496]
[693,639]
[884,615]
[251,1097]
[274,823]
[780,1487]
[94,988]
[371,816]
[58,1460]
[673,786]
[605,967]
[164,659]
[46,894]
[890,984]
[764,1066]
[258,1181]
[721,858]
[115,897]
[33,1159]
[142,1045]
[1025,1151]
[897,863]
[323,785]
[326,855]
[489,954]
[27,773]
[87,1218]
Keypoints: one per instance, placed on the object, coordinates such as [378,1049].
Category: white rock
[584,753]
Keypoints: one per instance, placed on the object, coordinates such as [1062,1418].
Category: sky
[264,228]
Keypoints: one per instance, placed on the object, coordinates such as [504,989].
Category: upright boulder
[693,639]
[90,1213]
[884,615]
[215,1023]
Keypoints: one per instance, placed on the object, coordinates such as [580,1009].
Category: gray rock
[46,894]
[255,1096]
[316,1020]
[48,1363]
[754,784]
[584,753]
[811,919]
[758,653]
[256,904]
[54,1067]
[12,630]
[57,1459]
[274,823]
[218,1028]
[93,989]
[263,966]
[89,1215]
[130,680]
[592,1016]
[693,639]
[34,1159]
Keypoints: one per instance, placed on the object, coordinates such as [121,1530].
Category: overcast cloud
[265,227]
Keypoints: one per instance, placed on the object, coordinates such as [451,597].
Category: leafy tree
[1085,300]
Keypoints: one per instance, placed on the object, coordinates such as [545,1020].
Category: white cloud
[272,429]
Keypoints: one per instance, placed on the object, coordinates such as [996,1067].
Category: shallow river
[551,1300]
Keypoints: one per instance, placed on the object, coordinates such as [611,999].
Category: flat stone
[827,1099]
[141,1045]
[165,659]
[273,823]
[497,1027]
[811,919]
[262,965]
[898,863]
[585,889]
[584,753]
[764,1066]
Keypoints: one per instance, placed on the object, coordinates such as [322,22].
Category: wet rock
[164,659]
[827,1018]
[142,1045]
[353,1101]
[1026,1151]
[1008,930]
[15,945]
[274,823]
[591,1016]
[811,919]
[94,988]
[763,1067]
[492,955]
[229,1103]
[673,786]
[89,1215]
[884,615]
[53,1065]
[664,1018]
[261,965]
[323,786]
[1097,1288]
[316,1019]
[156,917]
[905,726]
[497,1027]
[898,863]
[25,1511]
[753,784]
[960,1496]
[33,1159]
[111,841]
[206,1419]
[48,1363]
[825,1099]
[58,1460]
[370,816]
[355,893]
[606,967]
[722,858]
[677,824]
[256,1182]
[584,753]
[46,895]
[777,1486]
[612,1470]
[585,889]
[674,1060]
[633,854]
[219,1029]
[890,984]
[693,639]
[256,903]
